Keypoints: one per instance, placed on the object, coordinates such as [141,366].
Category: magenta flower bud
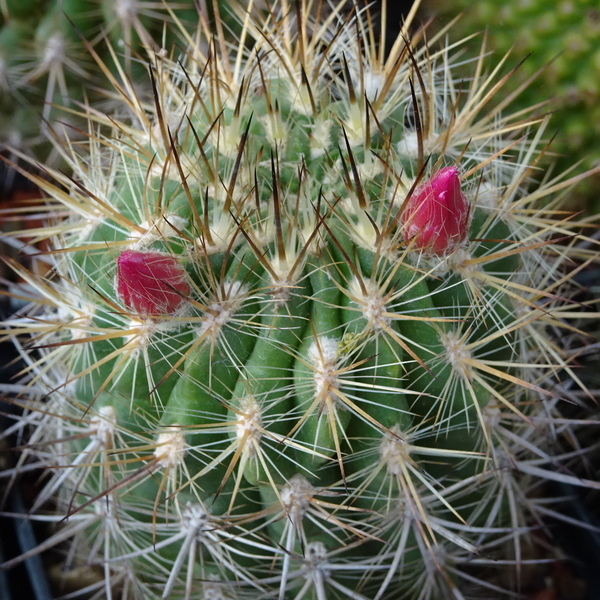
[151,283]
[436,217]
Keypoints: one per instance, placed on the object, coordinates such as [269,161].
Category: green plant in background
[562,42]
[306,326]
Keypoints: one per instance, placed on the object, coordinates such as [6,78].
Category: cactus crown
[300,335]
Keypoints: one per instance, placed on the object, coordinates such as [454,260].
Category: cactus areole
[285,350]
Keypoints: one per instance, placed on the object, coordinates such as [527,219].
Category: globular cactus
[307,325]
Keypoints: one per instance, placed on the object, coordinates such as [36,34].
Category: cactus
[307,324]
[44,62]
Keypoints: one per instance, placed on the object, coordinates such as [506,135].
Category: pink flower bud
[151,283]
[436,217]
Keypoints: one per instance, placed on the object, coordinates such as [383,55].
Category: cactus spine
[301,336]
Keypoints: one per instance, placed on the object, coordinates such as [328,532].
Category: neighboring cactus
[44,61]
[562,41]
[306,329]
